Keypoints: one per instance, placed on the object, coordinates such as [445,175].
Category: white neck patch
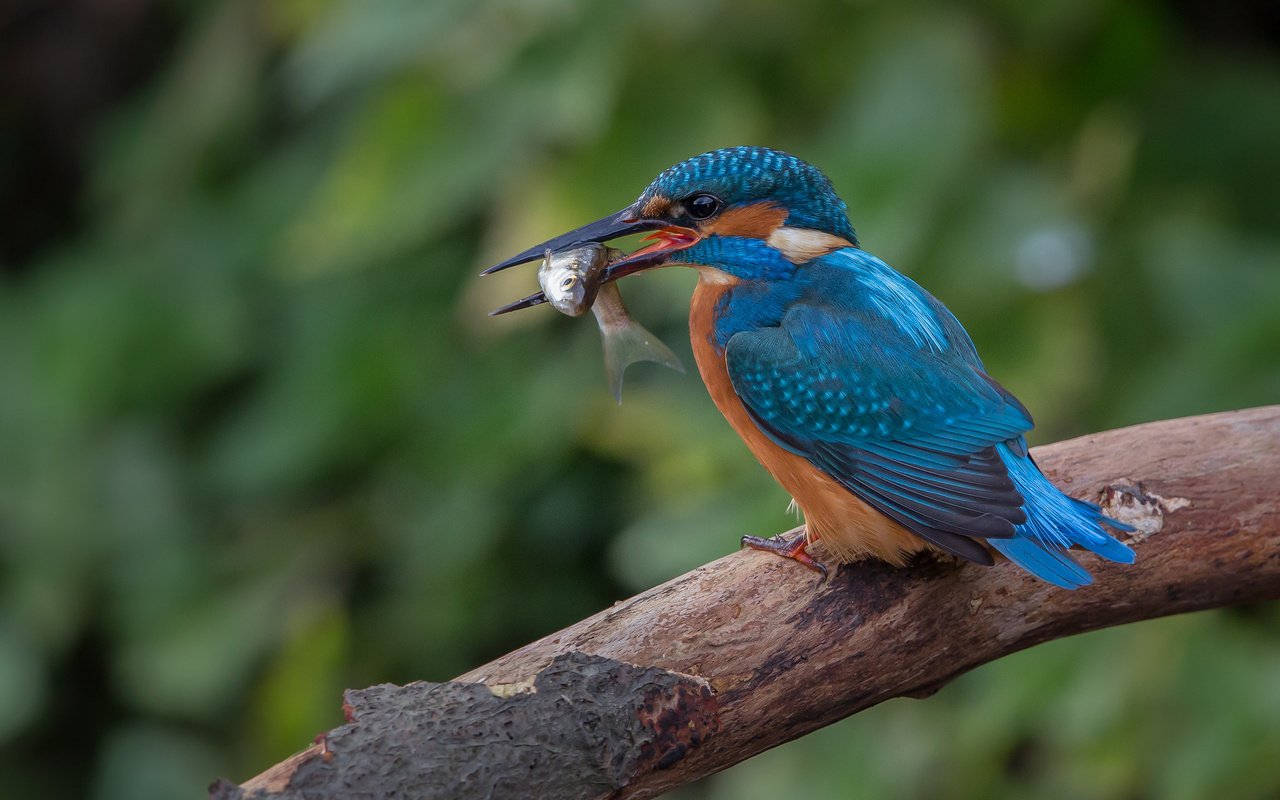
[804,244]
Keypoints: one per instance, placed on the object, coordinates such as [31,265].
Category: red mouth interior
[667,239]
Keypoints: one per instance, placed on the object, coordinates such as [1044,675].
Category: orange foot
[794,550]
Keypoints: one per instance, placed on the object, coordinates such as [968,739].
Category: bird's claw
[794,549]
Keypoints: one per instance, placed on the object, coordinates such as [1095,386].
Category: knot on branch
[1130,502]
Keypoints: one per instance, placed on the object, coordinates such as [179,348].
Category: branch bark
[750,651]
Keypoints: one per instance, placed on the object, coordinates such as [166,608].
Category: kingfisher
[858,391]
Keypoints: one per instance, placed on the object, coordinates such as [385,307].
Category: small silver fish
[571,280]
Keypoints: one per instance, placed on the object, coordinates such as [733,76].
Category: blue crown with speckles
[739,175]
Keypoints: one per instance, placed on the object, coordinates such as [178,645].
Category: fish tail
[627,342]
[1054,523]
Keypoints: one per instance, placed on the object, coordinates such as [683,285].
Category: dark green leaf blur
[260,442]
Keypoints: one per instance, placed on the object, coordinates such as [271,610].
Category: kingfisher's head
[748,211]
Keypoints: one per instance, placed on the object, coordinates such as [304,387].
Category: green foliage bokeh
[261,443]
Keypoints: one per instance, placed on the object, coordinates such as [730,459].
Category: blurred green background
[260,441]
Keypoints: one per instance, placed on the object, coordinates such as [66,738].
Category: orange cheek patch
[756,221]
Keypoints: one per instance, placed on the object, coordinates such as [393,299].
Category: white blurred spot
[1053,256]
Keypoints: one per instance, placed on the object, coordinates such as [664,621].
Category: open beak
[666,239]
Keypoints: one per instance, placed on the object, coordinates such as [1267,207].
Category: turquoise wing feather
[911,434]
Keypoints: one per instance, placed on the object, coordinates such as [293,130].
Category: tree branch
[750,651]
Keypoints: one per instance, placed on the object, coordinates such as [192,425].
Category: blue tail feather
[1054,523]
[1047,563]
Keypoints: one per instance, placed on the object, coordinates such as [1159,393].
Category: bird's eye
[568,282]
[702,206]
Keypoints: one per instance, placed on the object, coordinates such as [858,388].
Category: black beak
[532,300]
[668,237]
[625,222]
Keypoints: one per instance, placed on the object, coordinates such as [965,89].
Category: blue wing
[908,426]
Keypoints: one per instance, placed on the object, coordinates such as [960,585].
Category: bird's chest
[710,326]
[721,307]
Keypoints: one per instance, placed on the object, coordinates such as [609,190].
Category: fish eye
[568,282]
[702,206]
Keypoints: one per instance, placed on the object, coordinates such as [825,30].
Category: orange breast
[847,527]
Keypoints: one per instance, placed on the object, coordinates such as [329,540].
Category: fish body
[571,278]
[572,281]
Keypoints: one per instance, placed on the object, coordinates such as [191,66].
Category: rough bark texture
[751,651]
